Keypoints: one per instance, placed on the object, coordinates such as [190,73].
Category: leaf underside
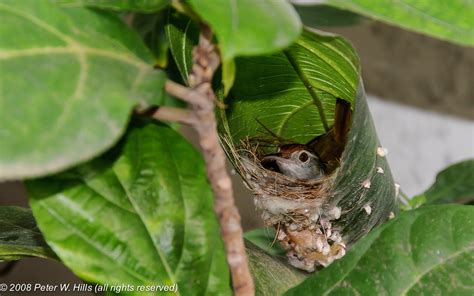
[20,236]
[450,20]
[246,27]
[143,219]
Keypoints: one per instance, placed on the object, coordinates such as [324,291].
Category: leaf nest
[298,209]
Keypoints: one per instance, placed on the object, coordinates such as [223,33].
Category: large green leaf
[450,20]
[119,5]
[454,184]
[69,81]
[143,219]
[294,89]
[272,276]
[248,27]
[284,92]
[428,251]
[19,235]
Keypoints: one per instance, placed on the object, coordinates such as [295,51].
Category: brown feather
[330,146]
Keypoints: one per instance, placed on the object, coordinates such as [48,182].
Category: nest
[299,210]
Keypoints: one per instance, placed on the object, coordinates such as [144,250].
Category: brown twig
[202,101]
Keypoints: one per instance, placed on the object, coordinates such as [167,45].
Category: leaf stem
[310,89]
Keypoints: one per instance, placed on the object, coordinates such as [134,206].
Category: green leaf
[183,35]
[19,235]
[293,88]
[272,276]
[118,5]
[151,28]
[246,27]
[284,92]
[326,16]
[143,219]
[454,184]
[228,75]
[450,20]
[264,238]
[428,251]
[69,81]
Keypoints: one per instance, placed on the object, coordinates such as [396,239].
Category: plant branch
[180,115]
[202,100]
[184,93]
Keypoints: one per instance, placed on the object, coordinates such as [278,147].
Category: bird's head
[297,161]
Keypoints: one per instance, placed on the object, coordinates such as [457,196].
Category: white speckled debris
[382,152]
[335,213]
[397,189]
[368,209]
[366,184]
[380,170]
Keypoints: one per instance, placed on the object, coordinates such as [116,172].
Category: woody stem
[201,99]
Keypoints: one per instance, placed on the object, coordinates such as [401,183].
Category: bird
[317,158]
[296,161]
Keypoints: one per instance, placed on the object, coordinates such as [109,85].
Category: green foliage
[360,168]
[141,213]
[289,89]
[119,5]
[246,27]
[450,20]
[144,218]
[403,258]
[264,238]
[272,276]
[152,31]
[326,16]
[19,235]
[454,184]
[295,90]
[73,77]
[183,35]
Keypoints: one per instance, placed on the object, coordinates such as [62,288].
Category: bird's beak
[273,157]
[272,161]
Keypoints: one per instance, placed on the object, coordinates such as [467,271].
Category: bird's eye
[303,156]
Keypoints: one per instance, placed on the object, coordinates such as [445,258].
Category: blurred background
[421,95]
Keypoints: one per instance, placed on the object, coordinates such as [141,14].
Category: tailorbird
[318,157]
[297,161]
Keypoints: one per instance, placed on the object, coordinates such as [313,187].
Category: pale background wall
[420,143]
